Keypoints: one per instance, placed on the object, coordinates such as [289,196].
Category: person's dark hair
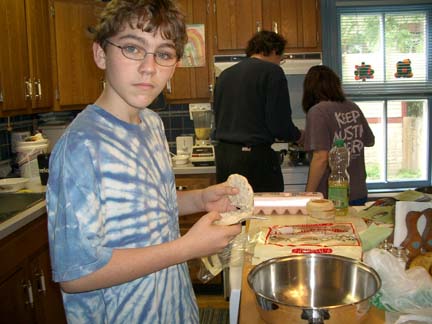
[149,15]
[265,42]
[321,84]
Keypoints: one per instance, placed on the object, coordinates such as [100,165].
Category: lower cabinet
[191,182]
[27,292]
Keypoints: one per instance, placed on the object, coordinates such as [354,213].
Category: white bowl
[180,159]
[12,184]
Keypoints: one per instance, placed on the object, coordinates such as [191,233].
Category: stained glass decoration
[363,72]
[403,69]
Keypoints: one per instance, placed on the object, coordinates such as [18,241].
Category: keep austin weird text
[350,131]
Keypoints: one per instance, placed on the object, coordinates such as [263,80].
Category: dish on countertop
[12,184]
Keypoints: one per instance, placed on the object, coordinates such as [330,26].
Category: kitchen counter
[248,311]
[189,168]
[23,218]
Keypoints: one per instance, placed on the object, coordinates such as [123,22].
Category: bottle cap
[339,142]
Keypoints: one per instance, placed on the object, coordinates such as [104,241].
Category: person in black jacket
[252,109]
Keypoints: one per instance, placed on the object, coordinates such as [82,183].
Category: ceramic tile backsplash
[18,124]
[175,118]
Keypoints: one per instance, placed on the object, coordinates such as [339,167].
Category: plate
[12,184]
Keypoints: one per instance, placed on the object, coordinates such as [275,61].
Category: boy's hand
[206,238]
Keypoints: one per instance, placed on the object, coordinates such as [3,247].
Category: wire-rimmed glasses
[162,57]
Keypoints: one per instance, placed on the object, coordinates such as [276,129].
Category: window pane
[361,42]
[405,39]
[383,47]
[407,130]
[375,155]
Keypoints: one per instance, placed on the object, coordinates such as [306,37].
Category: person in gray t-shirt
[329,116]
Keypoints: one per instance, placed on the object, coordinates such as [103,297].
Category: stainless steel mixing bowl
[313,288]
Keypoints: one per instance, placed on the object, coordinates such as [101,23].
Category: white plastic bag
[403,291]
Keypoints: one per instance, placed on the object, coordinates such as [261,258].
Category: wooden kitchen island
[248,309]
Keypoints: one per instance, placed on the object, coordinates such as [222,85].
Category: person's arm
[317,169]
[278,109]
[125,265]
[203,239]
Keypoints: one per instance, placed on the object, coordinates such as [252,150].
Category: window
[383,53]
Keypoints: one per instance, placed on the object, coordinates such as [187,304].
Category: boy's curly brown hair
[148,15]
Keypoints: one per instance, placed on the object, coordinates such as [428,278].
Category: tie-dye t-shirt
[111,186]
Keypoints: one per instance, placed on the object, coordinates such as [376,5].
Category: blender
[202,152]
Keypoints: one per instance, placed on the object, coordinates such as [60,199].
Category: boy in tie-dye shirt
[112,205]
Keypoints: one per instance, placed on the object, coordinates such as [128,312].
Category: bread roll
[422,260]
[243,201]
[321,208]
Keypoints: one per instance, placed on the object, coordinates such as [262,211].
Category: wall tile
[175,118]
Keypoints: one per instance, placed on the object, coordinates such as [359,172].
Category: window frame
[379,91]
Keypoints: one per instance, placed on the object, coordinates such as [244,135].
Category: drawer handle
[28,289]
[41,282]
[181,188]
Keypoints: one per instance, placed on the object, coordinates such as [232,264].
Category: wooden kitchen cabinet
[25,58]
[297,20]
[27,292]
[235,22]
[78,80]
[191,84]
[191,182]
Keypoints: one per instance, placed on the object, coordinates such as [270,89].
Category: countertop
[23,218]
[248,311]
[189,168]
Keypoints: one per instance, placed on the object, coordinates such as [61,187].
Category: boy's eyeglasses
[163,58]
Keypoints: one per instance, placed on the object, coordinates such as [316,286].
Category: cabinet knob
[168,86]
[40,278]
[28,290]
[28,91]
[38,89]
[258,26]
[1,96]
[275,27]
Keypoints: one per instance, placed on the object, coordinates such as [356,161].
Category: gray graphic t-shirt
[327,121]
[102,197]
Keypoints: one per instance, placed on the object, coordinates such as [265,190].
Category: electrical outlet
[198,106]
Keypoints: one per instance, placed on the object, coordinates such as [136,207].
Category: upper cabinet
[235,22]
[297,20]
[78,80]
[191,83]
[25,59]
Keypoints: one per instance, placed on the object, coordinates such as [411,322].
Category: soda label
[339,196]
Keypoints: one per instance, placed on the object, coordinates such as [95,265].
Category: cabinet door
[236,21]
[79,79]
[37,12]
[14,59]
[48,300]
[192,82]
[297,20]
[15,306]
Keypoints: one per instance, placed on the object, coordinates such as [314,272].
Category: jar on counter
[401,254]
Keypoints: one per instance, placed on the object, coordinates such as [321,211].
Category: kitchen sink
[14,203]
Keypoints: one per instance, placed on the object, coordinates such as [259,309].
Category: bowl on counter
[12,184]
[313,288]
[180,159]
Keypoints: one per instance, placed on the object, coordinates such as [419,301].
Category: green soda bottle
[338,181]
